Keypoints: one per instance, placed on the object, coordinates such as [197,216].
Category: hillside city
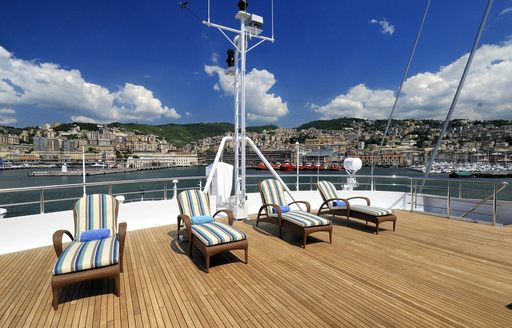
[409,143]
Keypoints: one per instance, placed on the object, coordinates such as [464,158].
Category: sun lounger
[208,235]
[96,250]
[337,206]
[274,201]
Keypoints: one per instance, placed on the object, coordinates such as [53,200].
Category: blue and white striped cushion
[95,211]
[79,256]
[305,219]
[371,210]
[194,203]
[273,192]
[217,233]
[328,191]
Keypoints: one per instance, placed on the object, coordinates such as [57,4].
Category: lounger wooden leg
[117,281]
[377,228]
[246,256]
[330,236]
[55,302]
[304,241]
[394,225]
[207,262]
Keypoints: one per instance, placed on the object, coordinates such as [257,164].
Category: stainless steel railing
[159,188]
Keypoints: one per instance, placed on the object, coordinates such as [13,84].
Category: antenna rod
[272,18]
[457,93]
[406,72]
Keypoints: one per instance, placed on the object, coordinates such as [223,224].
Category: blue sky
[133,61]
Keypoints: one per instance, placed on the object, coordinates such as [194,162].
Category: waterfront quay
[92,172]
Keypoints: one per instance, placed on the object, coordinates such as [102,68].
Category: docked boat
[287,166]
[461,174]
[260,166]
[335,167]
[276,166]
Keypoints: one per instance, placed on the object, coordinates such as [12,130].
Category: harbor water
[462,188]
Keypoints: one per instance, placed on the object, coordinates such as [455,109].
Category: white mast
[250,27]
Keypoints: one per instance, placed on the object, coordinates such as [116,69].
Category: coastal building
[44,144]
[9,139]
[145,160]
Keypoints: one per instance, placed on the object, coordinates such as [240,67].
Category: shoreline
[96,172]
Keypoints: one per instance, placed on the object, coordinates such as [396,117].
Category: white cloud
[47,85]
[506,11]
[7,116]
[486,93]
[215,58]
[261,105]
[188,113]
[83,119]
[386,27]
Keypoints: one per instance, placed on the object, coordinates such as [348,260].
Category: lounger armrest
[57,240]
[308,206]
[121,233]
[361,197]
[228,213]
[188,225]
[277,208]
[347,203]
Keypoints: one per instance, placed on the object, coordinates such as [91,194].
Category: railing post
[449,200]
[200,184]
[41,201]
[175,188]
[415,194]
[494,204]
[165,189]
[110,189]
[141,194]
[460,189]
[412,195]
[311,183]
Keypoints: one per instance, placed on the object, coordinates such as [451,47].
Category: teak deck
[430,272]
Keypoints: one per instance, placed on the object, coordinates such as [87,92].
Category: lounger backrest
[97,211]
[272,192]
[327,190]
[193,203]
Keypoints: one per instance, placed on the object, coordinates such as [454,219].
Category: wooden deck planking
[430,272]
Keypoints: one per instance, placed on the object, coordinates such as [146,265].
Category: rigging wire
[457,92]
[399,91]
[184,5]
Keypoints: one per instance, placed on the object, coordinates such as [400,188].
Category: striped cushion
[95,212]
[328,191]
[80,256]
[194,203]
[273,193]
[216,233]
[371,210]
[305,219]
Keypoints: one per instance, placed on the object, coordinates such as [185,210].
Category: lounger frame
[264,216]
